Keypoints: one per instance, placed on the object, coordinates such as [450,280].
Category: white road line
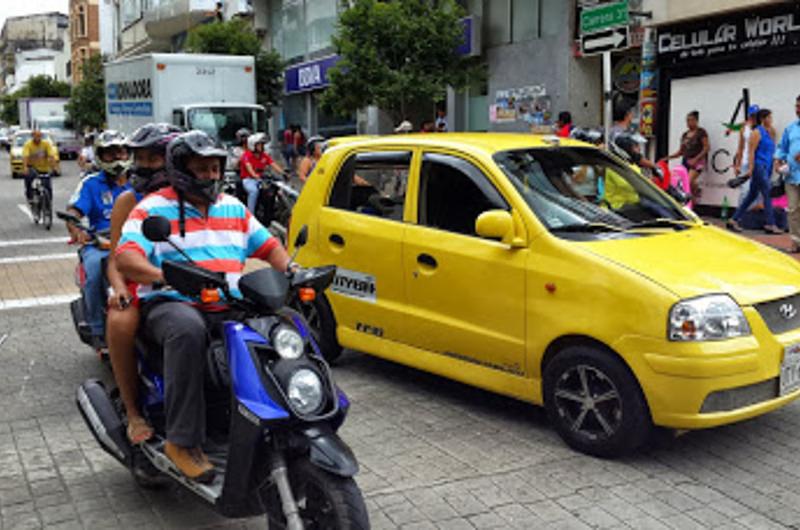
[34,241]
[24,208]
[41,257]
[22,303]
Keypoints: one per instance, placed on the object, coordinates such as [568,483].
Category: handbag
[777,188]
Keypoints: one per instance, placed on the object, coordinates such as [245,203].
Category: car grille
[743,396]
[781,315]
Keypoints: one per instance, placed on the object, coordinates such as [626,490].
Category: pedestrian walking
[762,150]
[741,162]
[441,120]
[788,152]
[299,144]
[564,124]
[693,151]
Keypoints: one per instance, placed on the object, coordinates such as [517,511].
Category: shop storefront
[705,64]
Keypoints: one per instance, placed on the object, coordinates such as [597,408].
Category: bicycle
[41,200]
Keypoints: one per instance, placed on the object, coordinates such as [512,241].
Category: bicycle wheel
[46,209]
[36,206]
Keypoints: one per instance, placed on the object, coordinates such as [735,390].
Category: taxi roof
[489,143]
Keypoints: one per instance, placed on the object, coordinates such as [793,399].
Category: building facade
[34,45]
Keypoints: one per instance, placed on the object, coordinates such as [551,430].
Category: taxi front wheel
[595,403]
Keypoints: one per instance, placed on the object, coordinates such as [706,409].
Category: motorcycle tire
[321,320]
[326,501]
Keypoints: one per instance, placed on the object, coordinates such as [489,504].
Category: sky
[13,8]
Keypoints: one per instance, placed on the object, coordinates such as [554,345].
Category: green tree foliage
[38,86]
[398,55]
[236,37]
[87,106]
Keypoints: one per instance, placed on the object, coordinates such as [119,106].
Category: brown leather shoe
[191,461]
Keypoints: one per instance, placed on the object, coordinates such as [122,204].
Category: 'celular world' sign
[766,30]
[312,75]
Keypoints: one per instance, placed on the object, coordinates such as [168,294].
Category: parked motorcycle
[272,405]
[77,307]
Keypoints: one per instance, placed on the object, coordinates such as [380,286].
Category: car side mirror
[302,237]
[157,228]
[495,224]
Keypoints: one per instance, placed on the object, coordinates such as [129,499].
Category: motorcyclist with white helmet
[94,198]
[252,166]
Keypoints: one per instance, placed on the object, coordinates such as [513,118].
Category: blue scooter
[273,408]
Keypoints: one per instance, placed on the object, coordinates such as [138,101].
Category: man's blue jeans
[252,187]
[95,294]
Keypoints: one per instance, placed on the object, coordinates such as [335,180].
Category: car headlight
[713,317]
[305,391]
[288,342]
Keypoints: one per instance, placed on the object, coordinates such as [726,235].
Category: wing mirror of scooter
[157,229]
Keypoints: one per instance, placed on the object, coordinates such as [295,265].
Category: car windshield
[221,123]
[20,139]
[585,188]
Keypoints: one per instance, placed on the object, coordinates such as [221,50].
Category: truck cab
[221,120]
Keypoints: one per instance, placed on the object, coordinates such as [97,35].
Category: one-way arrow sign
[605,41]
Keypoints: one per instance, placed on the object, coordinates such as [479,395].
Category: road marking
[24,208]
[41,257]
[22,303]
[39,241]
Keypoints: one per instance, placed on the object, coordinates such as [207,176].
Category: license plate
[790,369]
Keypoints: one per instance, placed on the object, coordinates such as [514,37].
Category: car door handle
[427,260]
[336,239]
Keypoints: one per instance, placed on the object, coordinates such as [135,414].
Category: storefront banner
[312,75]
[769,29]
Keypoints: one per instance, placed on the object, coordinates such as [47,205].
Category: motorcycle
[276,199]
[273,408]
[77,307]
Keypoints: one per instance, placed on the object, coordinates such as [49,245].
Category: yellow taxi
[549,271]
[17,142]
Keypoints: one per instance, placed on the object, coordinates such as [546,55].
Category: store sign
[770,29]
[312,75]
[604,16]
[472,37]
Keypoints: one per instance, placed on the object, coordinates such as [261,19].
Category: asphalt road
[433,453]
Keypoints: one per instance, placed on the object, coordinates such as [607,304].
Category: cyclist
[147,174]
[38,158]
[94,199]
[252,165]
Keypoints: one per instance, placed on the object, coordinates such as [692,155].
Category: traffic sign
[603,17]
[605,41]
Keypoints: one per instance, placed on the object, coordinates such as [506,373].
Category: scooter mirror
[302,237]
[156,228]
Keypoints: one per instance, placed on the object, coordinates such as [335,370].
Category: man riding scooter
[94,199]
[219,234]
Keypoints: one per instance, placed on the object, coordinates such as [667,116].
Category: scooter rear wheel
[326,501]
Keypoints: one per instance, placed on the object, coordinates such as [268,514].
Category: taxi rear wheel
[595,403]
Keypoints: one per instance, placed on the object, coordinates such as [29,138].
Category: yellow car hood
[703,260]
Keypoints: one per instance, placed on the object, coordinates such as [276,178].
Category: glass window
[525,20]
[288,28]
[373,184]
[453,193]
[497,29]
[131,11]
[320,24]
[583,190]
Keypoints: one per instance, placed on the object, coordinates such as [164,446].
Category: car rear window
[373,183]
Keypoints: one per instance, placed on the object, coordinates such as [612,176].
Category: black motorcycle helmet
[154,137]
[183,146]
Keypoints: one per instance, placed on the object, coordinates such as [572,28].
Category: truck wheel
[595,402]
[322,322]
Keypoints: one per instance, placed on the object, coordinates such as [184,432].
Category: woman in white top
[741,162]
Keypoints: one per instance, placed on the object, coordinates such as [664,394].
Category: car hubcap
[588,402]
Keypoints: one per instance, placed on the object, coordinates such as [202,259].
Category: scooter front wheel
[325,501]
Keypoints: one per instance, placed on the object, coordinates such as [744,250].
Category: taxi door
[361,231]
[466,294]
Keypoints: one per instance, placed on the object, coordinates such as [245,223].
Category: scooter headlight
[288,342]
[305,391]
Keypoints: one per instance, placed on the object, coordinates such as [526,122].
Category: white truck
[213,93]
[49,114]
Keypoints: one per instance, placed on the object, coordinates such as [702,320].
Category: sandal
[733,226]
[139,431]
[773,230]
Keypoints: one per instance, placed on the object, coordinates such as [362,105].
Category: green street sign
[604,16]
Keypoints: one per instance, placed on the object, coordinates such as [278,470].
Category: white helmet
[257,138]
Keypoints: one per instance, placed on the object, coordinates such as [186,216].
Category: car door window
[373,183]
[453,193]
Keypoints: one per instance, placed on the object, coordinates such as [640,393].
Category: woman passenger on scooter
[148,174]
[315,147]
[252,165]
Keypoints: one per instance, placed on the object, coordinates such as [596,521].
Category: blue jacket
[788,149]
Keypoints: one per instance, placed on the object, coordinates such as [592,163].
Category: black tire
[36,209]
[46,209]
[326,501]
[320,319]
[613,426]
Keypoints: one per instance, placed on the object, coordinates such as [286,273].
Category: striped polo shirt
[220,242]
